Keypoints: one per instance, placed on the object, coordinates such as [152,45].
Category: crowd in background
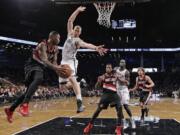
[10,93]
[166,84]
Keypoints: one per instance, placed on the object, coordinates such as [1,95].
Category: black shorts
[29,68]
[144,96]
[109,98]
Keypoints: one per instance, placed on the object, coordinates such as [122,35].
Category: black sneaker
[80,107]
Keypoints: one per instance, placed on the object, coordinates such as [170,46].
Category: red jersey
[109,82]
[50,52]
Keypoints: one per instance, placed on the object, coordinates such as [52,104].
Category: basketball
[65,71]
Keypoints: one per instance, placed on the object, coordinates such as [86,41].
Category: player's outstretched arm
[100,49]
[73,17]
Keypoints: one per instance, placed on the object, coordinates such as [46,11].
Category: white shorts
[124,96]
[73,65]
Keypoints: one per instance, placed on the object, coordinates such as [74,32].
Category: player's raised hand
[81,9]
[101,50]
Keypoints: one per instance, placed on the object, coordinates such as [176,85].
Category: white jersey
[119,85]
[70,48]
[122,89]
[69,55]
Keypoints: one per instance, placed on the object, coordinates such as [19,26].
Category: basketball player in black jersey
[144,84]
[108,82]
[44,55]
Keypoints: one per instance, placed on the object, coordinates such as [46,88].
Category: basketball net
[104,12]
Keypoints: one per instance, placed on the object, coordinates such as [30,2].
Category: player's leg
[103,104]
[118,107]
[125,102]
[10,110]
[77,90]
[76,87]
[37,79]
[146,100]
[65,85]
[142,112]
[126,107]
[141,103]
[88,128]
[122,101]
[72,83]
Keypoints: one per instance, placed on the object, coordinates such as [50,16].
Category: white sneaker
[133,124]
[142,123]
[125,124]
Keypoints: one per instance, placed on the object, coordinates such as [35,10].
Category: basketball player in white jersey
[122,89]
[71,45]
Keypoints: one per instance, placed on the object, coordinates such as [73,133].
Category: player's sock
[79,97]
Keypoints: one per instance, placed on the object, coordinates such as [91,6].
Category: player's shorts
[124,95]
[30,66]
[73,65]
[109,98]
[144,96]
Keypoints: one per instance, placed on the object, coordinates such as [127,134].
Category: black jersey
[142,82]
[51,51]
[109,83]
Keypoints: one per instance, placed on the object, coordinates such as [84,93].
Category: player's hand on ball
[60,69]
[64,71]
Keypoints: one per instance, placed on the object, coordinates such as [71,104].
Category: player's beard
[55,42]
[122,67]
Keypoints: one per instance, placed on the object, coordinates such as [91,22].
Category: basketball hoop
[104,12]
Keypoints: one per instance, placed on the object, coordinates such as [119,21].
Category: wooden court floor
[41,111]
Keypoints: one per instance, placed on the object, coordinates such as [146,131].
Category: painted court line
[35,125]
[177,121]
[74,116]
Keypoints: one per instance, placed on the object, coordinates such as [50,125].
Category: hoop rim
[104,10]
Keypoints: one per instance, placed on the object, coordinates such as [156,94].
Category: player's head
[109,68]
[54,37]
[77,31]
[141,71]
[122,63]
